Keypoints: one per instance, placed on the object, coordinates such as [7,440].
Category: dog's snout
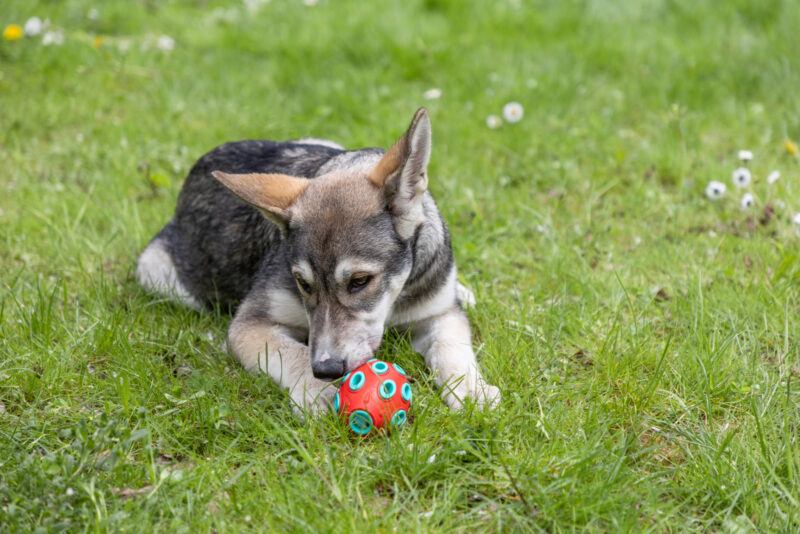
[328,367]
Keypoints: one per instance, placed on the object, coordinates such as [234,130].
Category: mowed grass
[645,339]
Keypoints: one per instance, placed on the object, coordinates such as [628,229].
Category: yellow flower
[12,32]
[97,41]
[791,147]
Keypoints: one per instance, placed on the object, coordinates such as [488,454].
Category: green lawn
[645,338]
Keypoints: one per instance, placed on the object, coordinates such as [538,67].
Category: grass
[645,339]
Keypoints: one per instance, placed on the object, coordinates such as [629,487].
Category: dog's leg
[446,344]
[265,347]
[156,273]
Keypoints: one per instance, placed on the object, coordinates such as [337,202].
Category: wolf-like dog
[318,249]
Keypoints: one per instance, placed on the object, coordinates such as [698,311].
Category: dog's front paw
[488,397]
[312,397]
[465,296]
[482,394]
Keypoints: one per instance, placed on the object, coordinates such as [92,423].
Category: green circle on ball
[360,422]
[398,419]
[357,381]
[405,392]
[387,389]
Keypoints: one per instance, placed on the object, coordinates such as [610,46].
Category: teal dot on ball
[405,392]
[399,418]
[357,381]
[380,367]
[360,422]
[387,389]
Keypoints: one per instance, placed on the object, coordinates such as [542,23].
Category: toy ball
[373,398]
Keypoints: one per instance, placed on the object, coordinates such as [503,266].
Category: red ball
[374,398]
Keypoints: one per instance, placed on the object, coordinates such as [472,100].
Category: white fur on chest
[439,302]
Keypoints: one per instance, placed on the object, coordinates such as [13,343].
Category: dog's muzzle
[328,367]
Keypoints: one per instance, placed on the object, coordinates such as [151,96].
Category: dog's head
[348,236]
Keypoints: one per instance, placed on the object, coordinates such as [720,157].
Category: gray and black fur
[219,243]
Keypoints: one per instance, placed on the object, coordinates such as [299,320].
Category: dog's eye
[302,283]
[358,283]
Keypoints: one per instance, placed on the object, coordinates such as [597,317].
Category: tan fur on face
[264,191]
[352,196]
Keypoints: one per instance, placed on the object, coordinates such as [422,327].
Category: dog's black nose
[328,367]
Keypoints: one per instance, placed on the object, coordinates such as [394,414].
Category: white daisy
[773,177]
[796,218]
[432,94]
[93,14]
[166,43]
[53,38]
[747,201]
[745,155]
[493,122]
[741,177]
[715,190]
[70,491]
[33,26]
[512,112]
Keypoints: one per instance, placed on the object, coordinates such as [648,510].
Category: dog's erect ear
[402,173]
[272,194]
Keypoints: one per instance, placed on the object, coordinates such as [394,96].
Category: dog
[319,249]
